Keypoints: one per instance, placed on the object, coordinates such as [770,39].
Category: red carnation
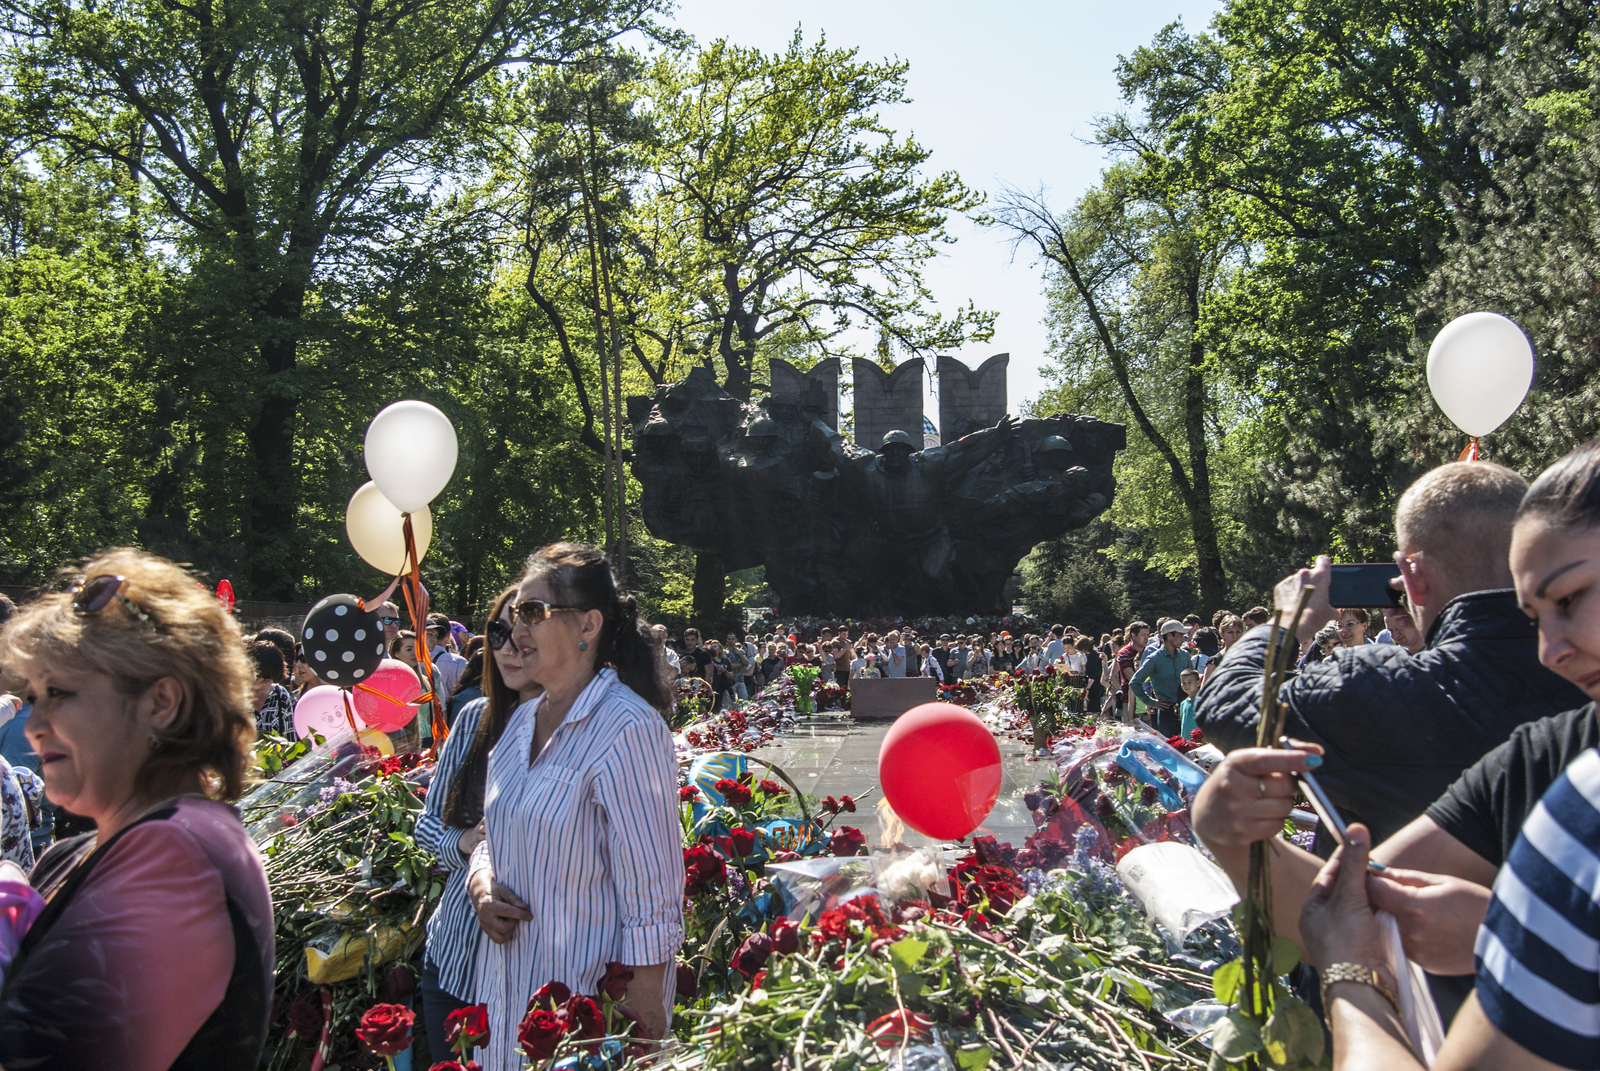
[742,843]
[540,1033]
[733,791]
[702,869]
[785,936]
[615,983]
[688,792]
[847,841]
[830,806]
[753,954]
[386,1029]
[551,997]
[467,1027]
[772,788]
[846,803]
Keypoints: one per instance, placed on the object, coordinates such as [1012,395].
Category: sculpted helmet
[893,437]
[1050,443]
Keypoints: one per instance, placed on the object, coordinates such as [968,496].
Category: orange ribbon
[1471,452]
[417,602]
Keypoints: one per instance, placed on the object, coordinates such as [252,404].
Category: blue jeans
[436,1004]
[739,689]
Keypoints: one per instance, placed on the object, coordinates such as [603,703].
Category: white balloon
[377,530]
[1479,369]
[411,453]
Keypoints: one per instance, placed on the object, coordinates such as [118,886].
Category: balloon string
[349,715]
[417,598]
[384,695]
[379,600]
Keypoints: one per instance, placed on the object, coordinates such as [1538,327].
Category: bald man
[1398,728]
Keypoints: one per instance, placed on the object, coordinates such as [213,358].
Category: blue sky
[1002,93]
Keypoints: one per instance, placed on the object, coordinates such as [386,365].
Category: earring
[583,645]
[155,741]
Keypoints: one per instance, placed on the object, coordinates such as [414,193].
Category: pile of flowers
[809,629]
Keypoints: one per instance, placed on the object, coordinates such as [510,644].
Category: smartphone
[1326,811]
[1364,586]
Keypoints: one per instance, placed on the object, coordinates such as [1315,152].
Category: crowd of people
[1460,742]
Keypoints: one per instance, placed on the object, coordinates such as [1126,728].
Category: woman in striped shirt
[452,823]
[582,861]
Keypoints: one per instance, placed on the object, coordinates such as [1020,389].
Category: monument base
[886,698]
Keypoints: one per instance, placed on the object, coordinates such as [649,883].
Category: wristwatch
[1355,972]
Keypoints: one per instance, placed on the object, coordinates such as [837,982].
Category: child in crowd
[1189,681]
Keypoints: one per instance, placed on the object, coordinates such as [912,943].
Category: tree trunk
[271,552]
[710,591]
[1202,517]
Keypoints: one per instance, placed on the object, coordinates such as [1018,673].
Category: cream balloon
[411,453]
[1479,369]
[377,530]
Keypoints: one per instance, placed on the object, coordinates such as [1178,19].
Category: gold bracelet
[1355,972]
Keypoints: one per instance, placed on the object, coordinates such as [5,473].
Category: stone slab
[886,698]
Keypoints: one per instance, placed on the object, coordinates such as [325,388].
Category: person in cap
[1160,679]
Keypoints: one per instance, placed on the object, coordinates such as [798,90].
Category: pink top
[143,952]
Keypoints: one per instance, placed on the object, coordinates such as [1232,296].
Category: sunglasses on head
[96,593]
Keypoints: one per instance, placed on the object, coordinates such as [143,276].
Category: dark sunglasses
[388,621]
[498,634]
[534,612]
[96,593]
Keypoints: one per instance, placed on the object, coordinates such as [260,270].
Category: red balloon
[387,700]
[940,770]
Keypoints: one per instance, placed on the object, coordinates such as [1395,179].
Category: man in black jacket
[1396,728]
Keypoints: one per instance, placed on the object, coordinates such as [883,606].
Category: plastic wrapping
[811,886]
[1418,1014]
[1179,887]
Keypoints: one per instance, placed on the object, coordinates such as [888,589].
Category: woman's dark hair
[1567,494]
[1209,640]
[463,805]
[471,677]
[267,660]
[580,575]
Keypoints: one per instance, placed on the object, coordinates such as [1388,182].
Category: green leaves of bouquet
[1291,1038]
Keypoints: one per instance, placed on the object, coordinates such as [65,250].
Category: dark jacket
[1399,728]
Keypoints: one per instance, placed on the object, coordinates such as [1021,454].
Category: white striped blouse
[589,836]
[453,931]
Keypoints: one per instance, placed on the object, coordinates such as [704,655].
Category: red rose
[846,803]
[688,985]
[847,841]
[785,936]
[457,1065]
[386,1029]
[742,842]
[583,1018]
[702,869]
[551,997]
[467,1026]
[759,980]
[688,792]
[306,1018]
[541,1031]
[615,983]
[752,954]
[733,792]
[400,984]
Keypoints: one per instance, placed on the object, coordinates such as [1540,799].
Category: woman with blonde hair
[155,948]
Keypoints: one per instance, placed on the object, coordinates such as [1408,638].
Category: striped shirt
[1538,951]
[589,837]
[453,931]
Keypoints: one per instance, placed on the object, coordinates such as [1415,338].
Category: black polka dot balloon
[343,642]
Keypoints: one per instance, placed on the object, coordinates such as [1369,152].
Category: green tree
[285,143]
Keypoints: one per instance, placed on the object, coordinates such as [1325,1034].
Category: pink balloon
[387,700]
[321,708]
[940,770]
